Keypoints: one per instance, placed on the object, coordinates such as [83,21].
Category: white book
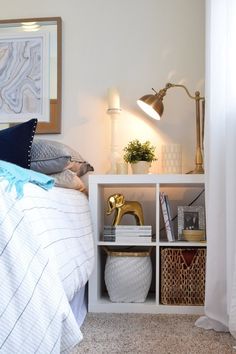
[138,239]
[133,236]
[169,216]
[134,233]
[166,217]
[142,227]
[130,232]
[127,227]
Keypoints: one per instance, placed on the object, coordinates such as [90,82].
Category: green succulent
[136,151]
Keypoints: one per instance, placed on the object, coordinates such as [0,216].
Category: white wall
[133,45]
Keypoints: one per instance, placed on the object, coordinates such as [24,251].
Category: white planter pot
[140,167]
[128,279]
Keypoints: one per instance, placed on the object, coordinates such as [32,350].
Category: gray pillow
[48,157]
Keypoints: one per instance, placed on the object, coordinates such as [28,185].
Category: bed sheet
[46,256]
[79,305]
[60,219]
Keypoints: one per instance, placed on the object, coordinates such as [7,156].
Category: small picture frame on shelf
[191,218]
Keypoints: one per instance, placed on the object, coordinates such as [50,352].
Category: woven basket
[183,276]
[128,275]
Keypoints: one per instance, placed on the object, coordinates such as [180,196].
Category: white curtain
[220,165]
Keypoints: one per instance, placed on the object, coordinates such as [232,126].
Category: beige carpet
[161,334]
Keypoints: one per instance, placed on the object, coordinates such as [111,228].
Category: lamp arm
[169,85]
[197,93]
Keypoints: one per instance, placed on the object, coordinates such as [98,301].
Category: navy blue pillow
[16,142]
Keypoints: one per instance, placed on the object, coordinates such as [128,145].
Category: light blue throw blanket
[18,176]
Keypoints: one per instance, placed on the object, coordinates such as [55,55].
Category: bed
[46,258]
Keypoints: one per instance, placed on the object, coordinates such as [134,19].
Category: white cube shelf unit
[145,189]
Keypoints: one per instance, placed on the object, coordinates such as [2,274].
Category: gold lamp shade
[152,105]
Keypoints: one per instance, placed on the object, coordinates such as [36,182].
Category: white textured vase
[171,158]
[128,279]
[140,167]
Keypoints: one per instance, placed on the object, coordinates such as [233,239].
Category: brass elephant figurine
[121,206]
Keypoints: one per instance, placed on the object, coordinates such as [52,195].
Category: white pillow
[69,179]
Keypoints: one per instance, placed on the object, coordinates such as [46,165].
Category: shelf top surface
[154,243]
[147,179]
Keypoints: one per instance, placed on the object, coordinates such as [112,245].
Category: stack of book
[128,233]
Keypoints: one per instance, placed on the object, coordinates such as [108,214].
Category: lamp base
[198,170]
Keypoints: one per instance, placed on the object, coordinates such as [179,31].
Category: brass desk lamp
[153,106]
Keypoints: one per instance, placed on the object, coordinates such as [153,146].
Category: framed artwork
[190,218]
[30,72]
[24,77]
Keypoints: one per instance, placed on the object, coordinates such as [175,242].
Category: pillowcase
[69,179]
[16,143]
[51,157]
[85,179]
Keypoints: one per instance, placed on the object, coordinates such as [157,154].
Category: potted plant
[139,155]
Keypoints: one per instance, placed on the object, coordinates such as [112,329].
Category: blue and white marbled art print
[24,78]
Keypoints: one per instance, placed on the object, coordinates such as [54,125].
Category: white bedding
[46,256]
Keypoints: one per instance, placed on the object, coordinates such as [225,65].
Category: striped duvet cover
[46,256]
